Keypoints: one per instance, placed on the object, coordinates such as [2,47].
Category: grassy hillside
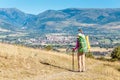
[22,63]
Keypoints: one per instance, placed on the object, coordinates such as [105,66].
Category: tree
[116,53]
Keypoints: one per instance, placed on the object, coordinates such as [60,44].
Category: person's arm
[77,45]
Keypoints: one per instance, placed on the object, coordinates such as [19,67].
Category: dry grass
[22,63]
[94,49]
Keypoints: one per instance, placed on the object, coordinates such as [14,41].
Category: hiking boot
[83,70]
[79,70]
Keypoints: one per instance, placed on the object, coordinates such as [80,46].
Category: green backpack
[82,44]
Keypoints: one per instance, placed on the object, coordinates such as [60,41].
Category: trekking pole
[73,60]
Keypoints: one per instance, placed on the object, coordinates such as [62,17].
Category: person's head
[80,30]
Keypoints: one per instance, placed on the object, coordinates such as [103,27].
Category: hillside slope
[22,63]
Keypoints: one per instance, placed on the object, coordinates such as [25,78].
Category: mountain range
[57,20]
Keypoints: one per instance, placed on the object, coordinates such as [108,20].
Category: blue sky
[38,6]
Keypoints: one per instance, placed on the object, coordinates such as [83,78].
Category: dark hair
[80,30]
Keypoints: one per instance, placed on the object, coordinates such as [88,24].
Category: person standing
[81,46]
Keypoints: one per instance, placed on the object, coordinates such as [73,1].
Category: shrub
[102,58]
[89,55]
[48,47]
[116,53]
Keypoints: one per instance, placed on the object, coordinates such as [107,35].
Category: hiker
[82,48]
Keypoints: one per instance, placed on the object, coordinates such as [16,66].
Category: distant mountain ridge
[12,18]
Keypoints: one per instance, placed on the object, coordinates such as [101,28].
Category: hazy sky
[37,6]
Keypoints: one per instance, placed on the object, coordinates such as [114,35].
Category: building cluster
[54,39]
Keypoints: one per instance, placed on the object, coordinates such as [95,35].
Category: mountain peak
[78,15]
